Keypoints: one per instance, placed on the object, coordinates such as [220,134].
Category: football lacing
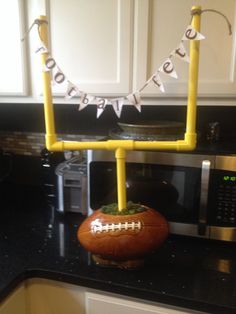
[97,226]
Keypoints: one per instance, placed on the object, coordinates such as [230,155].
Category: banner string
[198,11]
[35,22]
[134,98]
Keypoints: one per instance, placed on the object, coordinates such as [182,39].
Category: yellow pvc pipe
[193,80]
[125,144]
[121,177]
[47,93]
[189,141]
[120,146]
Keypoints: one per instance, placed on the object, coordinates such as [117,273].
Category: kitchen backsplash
[22,131]
[22,143]
[32,143]
[22,126]
[30,118]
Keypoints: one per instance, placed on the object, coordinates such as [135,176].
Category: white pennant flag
[181,53]
[41,49]
[49,65]
[157,81]
[117,105]
[192,34]
[168,68]
[85,99]
[102,102]
[135,99]
[59,77]
[71,91]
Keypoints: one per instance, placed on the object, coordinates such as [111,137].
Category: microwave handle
[205,177]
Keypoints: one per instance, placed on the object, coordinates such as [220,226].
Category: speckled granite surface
[37,242]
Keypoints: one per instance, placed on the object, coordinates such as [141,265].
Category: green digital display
[229,178]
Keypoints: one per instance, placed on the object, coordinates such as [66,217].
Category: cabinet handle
[205,177]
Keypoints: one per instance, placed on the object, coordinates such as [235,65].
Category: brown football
[123,237]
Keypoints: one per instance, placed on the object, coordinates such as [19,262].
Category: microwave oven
[196,193]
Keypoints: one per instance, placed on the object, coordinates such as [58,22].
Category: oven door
[174,184]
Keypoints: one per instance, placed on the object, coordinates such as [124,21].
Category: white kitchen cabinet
[159,26]
[92,43]
[111,48]
[100,304]
[42,296]
[13,51]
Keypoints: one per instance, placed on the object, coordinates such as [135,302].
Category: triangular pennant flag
[102,102]
[71,91]
[50,63]
[168,68]
[117,105]
[41,49]
[157,81]
[59,77]
[181,53]
[85,99]
[135,99]
[192,34]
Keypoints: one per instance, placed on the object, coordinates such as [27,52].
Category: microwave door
[199,227]
[172,190]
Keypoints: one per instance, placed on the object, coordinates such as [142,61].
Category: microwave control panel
[226,199]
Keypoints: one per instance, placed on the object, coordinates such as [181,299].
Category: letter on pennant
[59,77]
[50,63]
[117,105]
[157,81]
[84,101]
[135,99]
[102,102]
[41,49]
[72,90]
[168,68]
[181,53]
[192,34]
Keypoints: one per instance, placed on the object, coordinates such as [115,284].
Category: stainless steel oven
[195,192]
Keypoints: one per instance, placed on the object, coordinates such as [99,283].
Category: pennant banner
[117,105]
[59,77]
[85,100]
[41,49]
[72,90]
[167,67]
[181,53]
[157,81]
[192,34]
[50,63]
[135,99]
[102,102]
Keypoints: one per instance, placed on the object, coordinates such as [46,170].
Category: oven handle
[205,177]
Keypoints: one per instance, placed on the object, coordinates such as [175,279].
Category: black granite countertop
[37,242]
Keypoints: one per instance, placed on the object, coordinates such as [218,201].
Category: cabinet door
[159,27]
[91,43]
[100,304]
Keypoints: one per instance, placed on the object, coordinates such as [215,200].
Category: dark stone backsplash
[68,120]
[22,131]
[31,143]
